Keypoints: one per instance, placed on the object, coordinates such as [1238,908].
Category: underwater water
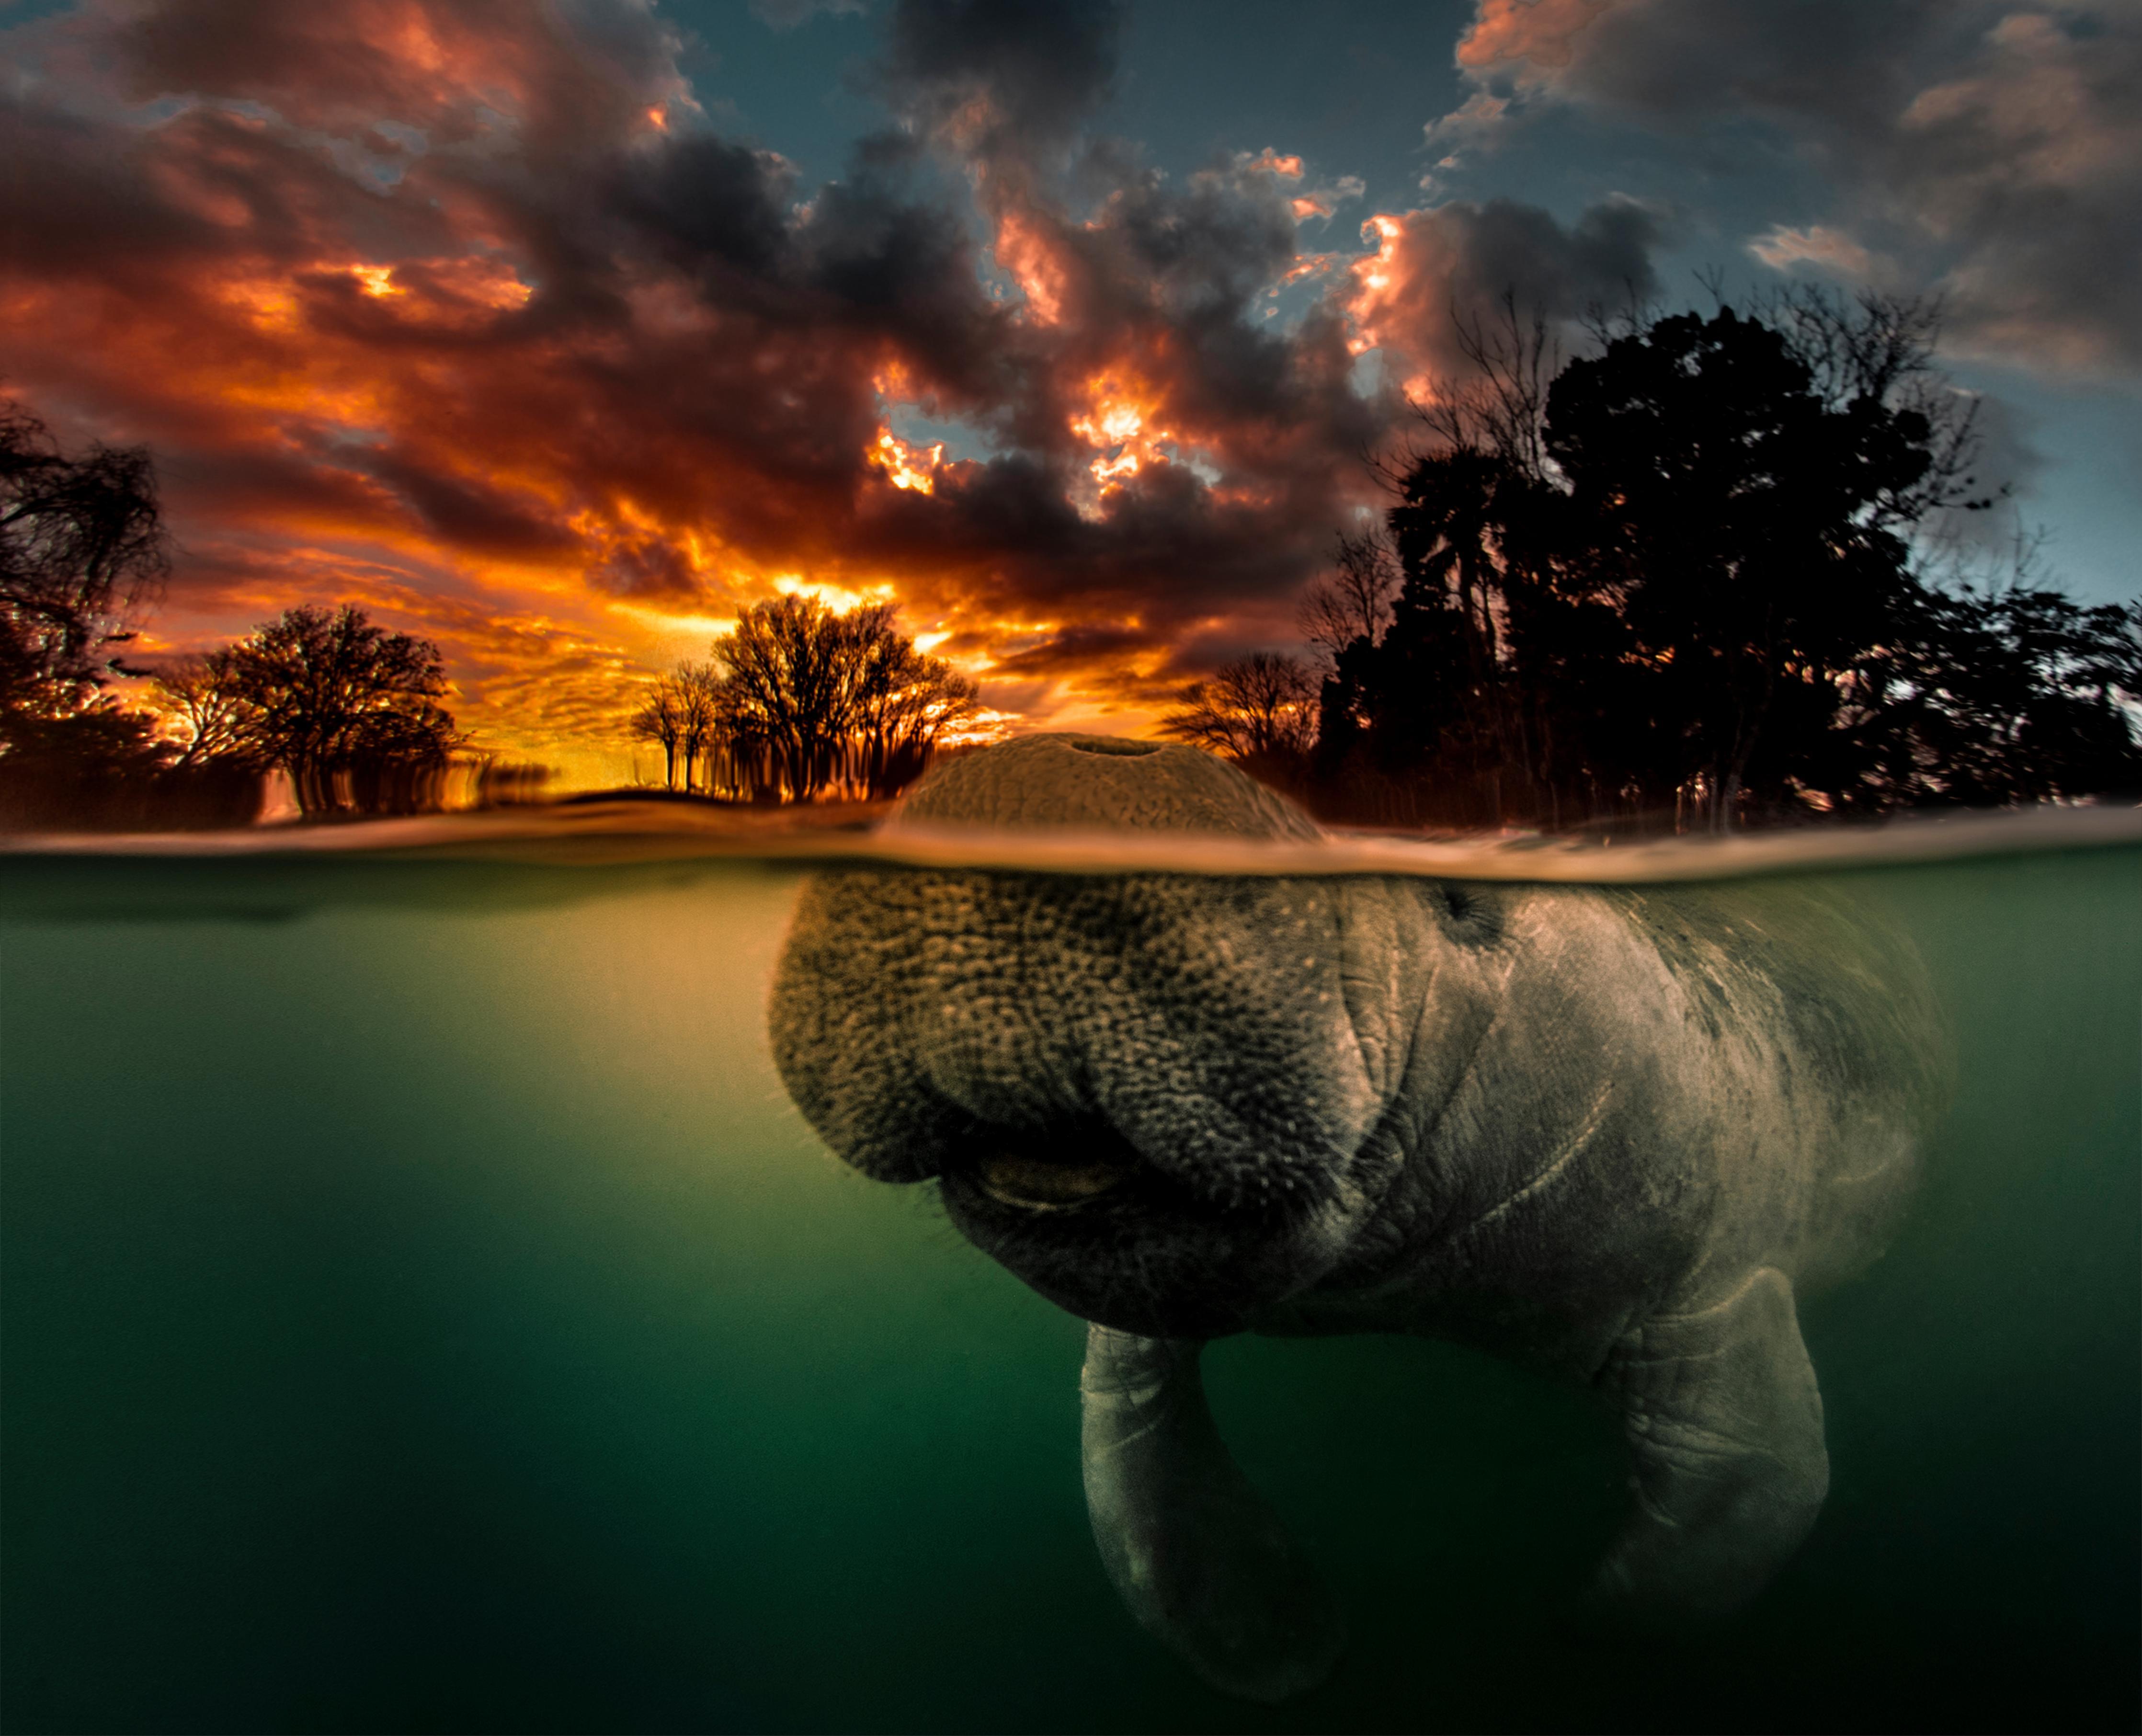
[422,1307]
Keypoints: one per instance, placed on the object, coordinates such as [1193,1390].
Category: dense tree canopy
[1688,583]
[799,699]
[82,546]
[346,707]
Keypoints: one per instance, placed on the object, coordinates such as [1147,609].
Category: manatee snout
[1144,1093]
[1140,1094]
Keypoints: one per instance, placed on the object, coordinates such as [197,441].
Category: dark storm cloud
[716,209]
[1207,247]
[1681,58]
[469,513]
[466,289]
[1036,70]
[912,268]
[1070,652]
[1449,265]
[571,72]
[1142,302]
[1994,151]
[649,567]
[863,255]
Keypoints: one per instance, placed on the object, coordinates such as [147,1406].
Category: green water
[423,1309]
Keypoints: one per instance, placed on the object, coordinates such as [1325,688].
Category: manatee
[1614,1134]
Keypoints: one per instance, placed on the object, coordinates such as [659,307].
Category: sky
[558,331]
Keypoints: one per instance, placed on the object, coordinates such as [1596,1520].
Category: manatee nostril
[1114,745]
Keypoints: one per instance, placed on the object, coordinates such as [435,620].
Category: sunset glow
[533,331]
[907,466]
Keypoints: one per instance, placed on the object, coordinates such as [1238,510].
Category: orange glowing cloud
[1023,249]
[1531,35]
[1117,422]
[905,465]
[1434,267]
[1389,286]
[462,312]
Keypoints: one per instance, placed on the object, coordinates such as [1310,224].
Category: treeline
[1694,579]
[348,710]
[798,702]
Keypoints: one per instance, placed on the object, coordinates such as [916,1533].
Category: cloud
[1993,152]
[1532,38]
[1818,244]
[2023,170]
[1477,122]
[1437,266]
[562,76]
[463,312]
[1005,75]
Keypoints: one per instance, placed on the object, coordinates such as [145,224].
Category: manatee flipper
[1724,1420]
[1194,1551]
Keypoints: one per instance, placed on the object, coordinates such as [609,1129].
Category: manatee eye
[1473,916]
[1052,1171]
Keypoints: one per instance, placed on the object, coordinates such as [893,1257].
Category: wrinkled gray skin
[1611,1133]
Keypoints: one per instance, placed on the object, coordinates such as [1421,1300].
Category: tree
[905,703]
[798,700]
[83,552]
[346,707]
[809,697]
[2011,694]
[1694,586]
[1748,528]
[660,719]
[1353,601]
[1878,349]
[793,677]
[1262,707]
[682,712]
[82,548]
[699,716]
[200,697]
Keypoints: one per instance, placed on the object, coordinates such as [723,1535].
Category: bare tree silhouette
[799,700]
[1353,601]
[200,697]
[660,719]
[1262,707]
